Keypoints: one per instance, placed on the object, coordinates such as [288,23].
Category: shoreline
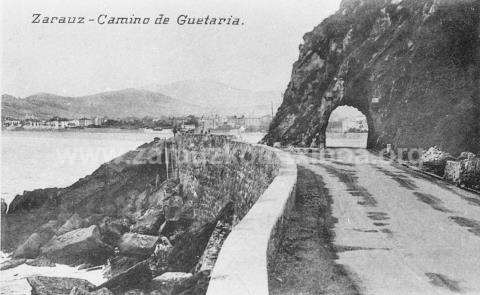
[87,130]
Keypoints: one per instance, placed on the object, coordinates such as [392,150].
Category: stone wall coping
[241,266]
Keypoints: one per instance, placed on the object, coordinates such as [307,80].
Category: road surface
[395,232]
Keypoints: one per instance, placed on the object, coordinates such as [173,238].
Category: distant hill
[113,104]
[179,98]
[220,98]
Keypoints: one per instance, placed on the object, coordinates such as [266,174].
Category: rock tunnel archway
[319,138]
[347,128]
[400,65]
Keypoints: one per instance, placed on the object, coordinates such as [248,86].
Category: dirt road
[375,228]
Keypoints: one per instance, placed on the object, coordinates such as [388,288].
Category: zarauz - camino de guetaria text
[160,19]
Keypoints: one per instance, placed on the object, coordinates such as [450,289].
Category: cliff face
[412,67]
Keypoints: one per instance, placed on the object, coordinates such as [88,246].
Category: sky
[80,59]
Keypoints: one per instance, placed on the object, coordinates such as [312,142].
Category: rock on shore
[83,244]
[128,217]
[53,285]
[137,244]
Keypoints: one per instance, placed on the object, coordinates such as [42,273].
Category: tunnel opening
[347,127]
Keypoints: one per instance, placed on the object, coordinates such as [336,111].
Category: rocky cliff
[412,67]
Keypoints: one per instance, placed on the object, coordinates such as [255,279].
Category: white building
[58,123]
[11,123]
[34,124]
[97,121]
[84,122]
[73,123]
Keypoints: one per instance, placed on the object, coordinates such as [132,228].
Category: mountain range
[195,97]
[221,98]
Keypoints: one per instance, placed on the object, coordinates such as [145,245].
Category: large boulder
[83,244]
[173,208]
[196,284]
[12,263]
[137,244]
[435,156]
[470,172]
[465,171]
[73,223]
[466,156]
[31,247]
[40,262]
[175,229]
[169,282]
[190,246]
[159,259]
[149,223]
[435,160]
[113,229]
[138,275]
[80,291]
[49,227]
[209,256]
[119,264]
[53,285]
[453,171]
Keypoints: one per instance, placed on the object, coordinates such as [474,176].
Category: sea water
[35,159]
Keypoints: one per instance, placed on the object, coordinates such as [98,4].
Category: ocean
[40,159]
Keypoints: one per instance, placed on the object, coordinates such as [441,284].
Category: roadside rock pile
[465,171]
[435,160]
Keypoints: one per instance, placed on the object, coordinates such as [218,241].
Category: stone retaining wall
[214,170]
[241,267]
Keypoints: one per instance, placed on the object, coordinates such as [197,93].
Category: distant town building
[210,122]
[188,128]
[73,123]
[98,121]
[11,122]
[253,122]
[33,124]
[84,122]
[234,122]
[58,123]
